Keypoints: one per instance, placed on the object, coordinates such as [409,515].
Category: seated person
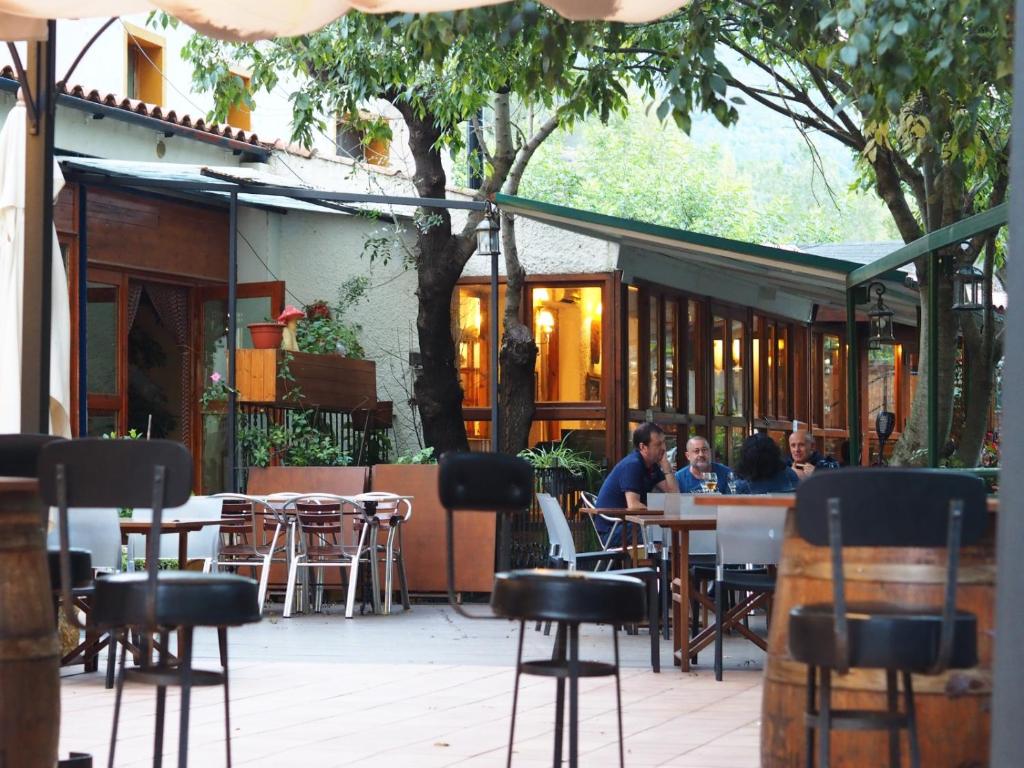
[761,468]
[646,469]
[698,454]
[804,459]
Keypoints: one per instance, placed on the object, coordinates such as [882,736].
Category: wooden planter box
[326,381]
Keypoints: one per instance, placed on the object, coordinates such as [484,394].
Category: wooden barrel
[952,708]
[29,651]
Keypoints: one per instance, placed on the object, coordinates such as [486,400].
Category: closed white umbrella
[12,246]
[263,19]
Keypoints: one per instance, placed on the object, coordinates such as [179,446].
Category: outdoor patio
[425,688]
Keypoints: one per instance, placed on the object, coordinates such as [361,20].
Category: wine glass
[732,482]
[710,481]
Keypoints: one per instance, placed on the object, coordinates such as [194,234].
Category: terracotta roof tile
[151,110]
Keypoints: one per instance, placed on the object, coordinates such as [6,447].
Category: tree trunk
[518,354]
[980,356]
[914,439]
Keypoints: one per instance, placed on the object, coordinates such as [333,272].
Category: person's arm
[668,484]
[633,501]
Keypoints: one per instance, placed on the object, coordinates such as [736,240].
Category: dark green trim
[995,216]
[615,228]
[933,360]
[852,375]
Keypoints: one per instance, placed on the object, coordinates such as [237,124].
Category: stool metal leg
[574,694]
[652,623]
[908,694]
[117,701]
[186,696]
[515,694]
[618,692]
[161,705]
[559,655]
[222,642]
[824,717]
[403,582]
[808,714]
[892,699]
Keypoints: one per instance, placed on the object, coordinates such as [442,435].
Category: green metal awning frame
[929,246]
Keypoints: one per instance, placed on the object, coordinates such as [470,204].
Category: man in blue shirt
[646,469]
[698,457]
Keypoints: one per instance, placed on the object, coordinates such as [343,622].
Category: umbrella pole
[36,295]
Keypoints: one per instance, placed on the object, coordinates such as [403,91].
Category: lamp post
[488,242]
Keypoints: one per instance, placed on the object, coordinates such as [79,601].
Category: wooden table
[181,527]
[679,526]
[29,648]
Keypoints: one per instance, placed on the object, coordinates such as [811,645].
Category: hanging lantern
[967,287]
[881,320]
[487,235]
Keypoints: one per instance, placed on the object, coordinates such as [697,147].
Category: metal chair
[589,499]
[333,532]
[393,511]
[883,508]
[563,549]
[745,535]
[157,474]
[504,484]
[249,536]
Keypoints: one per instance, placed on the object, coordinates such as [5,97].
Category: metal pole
[852,373]
[38,265]
[83,310]
[933,360]
[232,336]
[495,417]
[1008,673]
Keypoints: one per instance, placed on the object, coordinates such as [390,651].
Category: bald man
[804,459]
[698,458]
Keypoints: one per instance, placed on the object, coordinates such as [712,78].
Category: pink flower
[215,377]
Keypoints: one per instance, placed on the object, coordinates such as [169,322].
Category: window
[472,319]
[240,116]
[633,347]
[694,355]
[567,327]
[833,383]
[144,55]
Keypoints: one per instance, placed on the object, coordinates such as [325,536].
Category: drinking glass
[710,482]
[732,482]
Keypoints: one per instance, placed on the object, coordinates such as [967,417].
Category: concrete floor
[425,688]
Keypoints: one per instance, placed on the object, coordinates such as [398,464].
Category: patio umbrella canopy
[12,247]
[262,19]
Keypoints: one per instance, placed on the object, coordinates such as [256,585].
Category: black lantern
[880,317]
[967,286]
[487,234]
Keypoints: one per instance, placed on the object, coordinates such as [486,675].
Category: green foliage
[422,456]
[326,329]
[579,463]
[677,182]
[303,441]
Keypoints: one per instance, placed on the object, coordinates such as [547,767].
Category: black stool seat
[569,596]
[881,636]
[183,599]
[81,568]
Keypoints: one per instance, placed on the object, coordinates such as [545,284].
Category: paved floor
[423,689]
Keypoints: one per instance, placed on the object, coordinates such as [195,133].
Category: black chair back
[883,507]
[490,482]
[890,507]
[486,482]
[114,473]
[19,454]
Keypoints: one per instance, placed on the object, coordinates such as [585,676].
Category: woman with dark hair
[761,468]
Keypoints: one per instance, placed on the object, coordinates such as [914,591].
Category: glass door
[105,372]
[256,302]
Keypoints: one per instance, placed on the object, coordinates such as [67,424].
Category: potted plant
[559,468]
[266,335]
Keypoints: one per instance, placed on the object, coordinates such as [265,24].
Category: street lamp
[880,319]
[967,286]
[488,243]
[488,231]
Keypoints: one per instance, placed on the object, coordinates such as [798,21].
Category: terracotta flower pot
[266,335]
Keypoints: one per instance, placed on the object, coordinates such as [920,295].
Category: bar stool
[482,481]
[157,474]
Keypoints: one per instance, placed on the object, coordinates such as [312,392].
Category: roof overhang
[775,280]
